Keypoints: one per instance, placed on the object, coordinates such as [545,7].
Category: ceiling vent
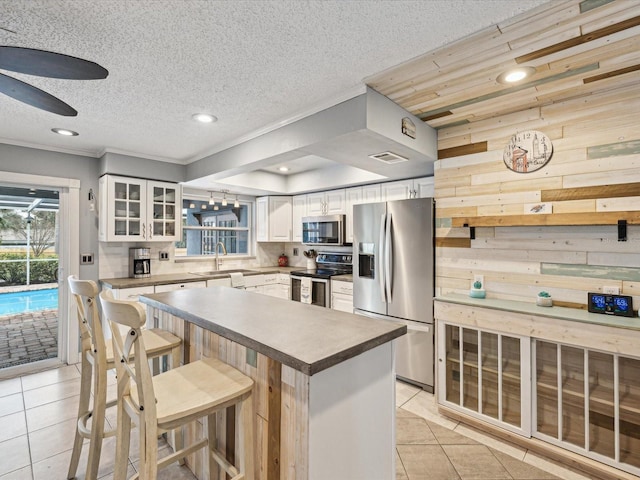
[389,157]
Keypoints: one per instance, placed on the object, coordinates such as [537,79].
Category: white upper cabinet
[403,189]
[133,209]
[326,203]
[397,190]
[273,219]
[354,196]
[423,187]
[371,193]
[299,209]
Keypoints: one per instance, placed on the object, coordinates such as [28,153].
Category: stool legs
[123,438]
[97,422]
[245,411]
[83,407]
[177,434]
[213,445]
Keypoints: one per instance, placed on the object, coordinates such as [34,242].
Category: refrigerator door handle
[380,261]
[388,258]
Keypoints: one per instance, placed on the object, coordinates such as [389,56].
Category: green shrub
[15,273]
[44,272]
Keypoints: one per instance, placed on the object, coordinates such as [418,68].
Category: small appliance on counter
[139,262]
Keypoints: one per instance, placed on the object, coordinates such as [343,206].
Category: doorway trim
[69,211]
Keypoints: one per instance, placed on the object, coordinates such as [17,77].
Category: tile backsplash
[114,259]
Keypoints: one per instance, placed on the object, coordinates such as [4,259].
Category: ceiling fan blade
[34,96]
[49,64]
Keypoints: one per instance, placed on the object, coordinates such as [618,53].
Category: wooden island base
[335,424]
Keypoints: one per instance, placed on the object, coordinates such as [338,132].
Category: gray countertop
[561,313]
[126,282]
[307,338]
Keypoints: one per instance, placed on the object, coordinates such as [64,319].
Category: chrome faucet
[224,252]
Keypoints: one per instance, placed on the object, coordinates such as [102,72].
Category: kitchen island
[324,380]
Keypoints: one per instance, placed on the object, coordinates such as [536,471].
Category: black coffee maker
[139,262]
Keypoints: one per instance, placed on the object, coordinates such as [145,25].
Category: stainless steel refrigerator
[393,277]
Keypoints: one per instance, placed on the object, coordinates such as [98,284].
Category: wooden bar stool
[97,359]
[172,399]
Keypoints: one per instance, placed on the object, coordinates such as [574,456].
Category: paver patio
[28,337]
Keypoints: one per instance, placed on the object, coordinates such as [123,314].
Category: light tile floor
[431,446]
[37,421]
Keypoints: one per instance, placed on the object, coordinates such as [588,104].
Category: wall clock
[527,151]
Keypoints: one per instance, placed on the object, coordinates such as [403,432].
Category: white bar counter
[325,380]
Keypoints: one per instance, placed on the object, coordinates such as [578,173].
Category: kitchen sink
[209,273]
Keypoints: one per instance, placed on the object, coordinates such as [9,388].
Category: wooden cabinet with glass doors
[484,373]
[589,401]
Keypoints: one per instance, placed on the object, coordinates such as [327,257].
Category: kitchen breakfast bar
[324,388]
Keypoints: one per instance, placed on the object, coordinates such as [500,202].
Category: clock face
[527,151]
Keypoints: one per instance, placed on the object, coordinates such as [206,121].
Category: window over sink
[204,225]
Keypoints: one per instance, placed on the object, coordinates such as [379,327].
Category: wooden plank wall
[595,168]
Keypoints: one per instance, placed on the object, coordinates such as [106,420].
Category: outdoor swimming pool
[28,301]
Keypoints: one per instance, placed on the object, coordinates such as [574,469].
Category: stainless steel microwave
[324,230]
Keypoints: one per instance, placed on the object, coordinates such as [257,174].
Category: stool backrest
[130,356]
[91,333]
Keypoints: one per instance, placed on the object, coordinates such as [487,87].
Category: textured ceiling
[253,64]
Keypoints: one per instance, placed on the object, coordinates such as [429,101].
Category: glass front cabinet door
[589,402]
[485,374]
[123,208]
[164,209]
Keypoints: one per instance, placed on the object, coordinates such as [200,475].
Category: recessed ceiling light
[515,75]
[283,169]
[204,118]
[64,131]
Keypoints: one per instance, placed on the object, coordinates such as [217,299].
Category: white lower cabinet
[272,284]
[485,374]
[276,290]
[221,282]
[342,296]
[275,285]
[179,286]
[341,302]
[132,293]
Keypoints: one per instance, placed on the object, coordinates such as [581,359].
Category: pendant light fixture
[224,199]
[236,204]
[211,200]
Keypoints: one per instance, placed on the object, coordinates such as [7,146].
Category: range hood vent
[389,157]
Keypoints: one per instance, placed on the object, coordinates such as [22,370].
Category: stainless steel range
[313,286]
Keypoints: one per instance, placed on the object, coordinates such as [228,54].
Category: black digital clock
[620,305]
